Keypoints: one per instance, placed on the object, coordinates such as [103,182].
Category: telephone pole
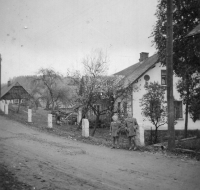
[170,97]
[0,76]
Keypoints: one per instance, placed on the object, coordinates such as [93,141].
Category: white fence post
[50,121]
[2,106]
[85,128]
[30,115]
[140,136]
[6,109]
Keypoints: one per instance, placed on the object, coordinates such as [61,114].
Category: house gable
[137,70]
[14,91]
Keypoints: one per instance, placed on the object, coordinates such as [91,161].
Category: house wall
[155,75]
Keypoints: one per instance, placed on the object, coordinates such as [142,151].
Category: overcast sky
[59,33]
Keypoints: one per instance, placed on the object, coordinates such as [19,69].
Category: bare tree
[110,90]
[48,78]
[95,66]
[97,88]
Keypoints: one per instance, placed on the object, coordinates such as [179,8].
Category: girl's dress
[131,124]
[114,128]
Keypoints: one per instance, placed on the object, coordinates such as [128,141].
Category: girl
[114,130]
[131,127]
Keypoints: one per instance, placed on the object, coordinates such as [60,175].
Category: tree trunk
[52,105]
[156,135]
[186,108]
[96,124]
[186,120]
[47,105]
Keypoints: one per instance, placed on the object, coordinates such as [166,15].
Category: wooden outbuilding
[14,92]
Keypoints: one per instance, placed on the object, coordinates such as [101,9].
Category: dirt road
[45,161]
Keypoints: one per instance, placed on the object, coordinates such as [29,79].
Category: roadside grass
[39,121]
[101,137]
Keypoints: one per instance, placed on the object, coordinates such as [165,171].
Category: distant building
[14,93]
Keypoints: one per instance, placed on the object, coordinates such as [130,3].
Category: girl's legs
[130,143]
[134,142]
[114,138]
[117,139]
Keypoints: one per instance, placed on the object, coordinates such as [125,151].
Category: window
[118,107]
[146,78]
[163,77]
[178,109]
[16,101]
[125,107]
[97,107]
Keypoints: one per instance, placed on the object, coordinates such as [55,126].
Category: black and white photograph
[99,94]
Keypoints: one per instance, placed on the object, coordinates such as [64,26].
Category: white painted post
[6,109]
[30,115]
[141,129]
[85,128]
[140,136]
[50,121]
[2,106]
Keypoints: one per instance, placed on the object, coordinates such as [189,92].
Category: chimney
[9,83]
[143,56]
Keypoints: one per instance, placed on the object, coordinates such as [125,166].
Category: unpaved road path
[46,161]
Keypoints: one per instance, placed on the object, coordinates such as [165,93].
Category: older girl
[131,127]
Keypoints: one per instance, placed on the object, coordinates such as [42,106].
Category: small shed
[14,91]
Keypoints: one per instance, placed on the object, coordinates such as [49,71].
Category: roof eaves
[195,31]
[144,73]
[141,70]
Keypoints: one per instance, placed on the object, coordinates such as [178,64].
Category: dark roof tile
[135,71]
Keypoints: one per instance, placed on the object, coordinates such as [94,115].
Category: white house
[145,71]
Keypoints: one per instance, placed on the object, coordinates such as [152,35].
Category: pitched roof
[5,89]
[128,70]
[135,71]
[195,31]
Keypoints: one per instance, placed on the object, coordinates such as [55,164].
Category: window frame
[125,107]
[118,107]
[97,106]
[16,101]
[165,76]
[178,105]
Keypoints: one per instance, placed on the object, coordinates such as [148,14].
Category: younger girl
[114,130]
